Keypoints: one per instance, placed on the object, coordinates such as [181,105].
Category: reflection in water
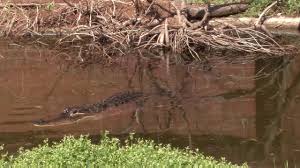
[224,110]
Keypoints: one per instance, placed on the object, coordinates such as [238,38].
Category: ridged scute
[115,100]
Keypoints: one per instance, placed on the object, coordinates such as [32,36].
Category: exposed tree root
[112,26]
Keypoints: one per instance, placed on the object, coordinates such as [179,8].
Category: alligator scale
[75,113]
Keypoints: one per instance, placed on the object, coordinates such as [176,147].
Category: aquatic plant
[80,152]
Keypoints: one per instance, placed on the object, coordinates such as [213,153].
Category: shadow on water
[244,111]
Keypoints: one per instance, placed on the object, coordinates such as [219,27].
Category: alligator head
[70,115]
[74,114]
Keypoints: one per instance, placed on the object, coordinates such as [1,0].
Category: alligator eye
[67,110]
[73,112]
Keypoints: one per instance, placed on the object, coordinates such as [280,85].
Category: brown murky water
[222,110]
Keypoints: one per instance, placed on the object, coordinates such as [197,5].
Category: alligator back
[122,98]
[115,100]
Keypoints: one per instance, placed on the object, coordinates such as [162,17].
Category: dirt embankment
[275,22]
[38,1]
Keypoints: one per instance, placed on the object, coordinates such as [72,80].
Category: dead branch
[259,24]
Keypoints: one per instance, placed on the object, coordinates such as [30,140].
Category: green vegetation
[80,152]
[289,7]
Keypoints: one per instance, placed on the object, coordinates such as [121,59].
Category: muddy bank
[111,28]
[39,1]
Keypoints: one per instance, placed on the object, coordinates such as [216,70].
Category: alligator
[74,114]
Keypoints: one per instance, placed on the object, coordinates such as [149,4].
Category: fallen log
[223,10]
[193,15]
[193,12]
[273,23]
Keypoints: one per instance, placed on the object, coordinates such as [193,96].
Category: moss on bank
[80,152]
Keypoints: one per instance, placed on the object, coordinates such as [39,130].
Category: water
[223,110]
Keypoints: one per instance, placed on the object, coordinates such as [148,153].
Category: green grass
[289,7]
[80,152]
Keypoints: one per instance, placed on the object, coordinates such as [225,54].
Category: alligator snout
[39,122]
